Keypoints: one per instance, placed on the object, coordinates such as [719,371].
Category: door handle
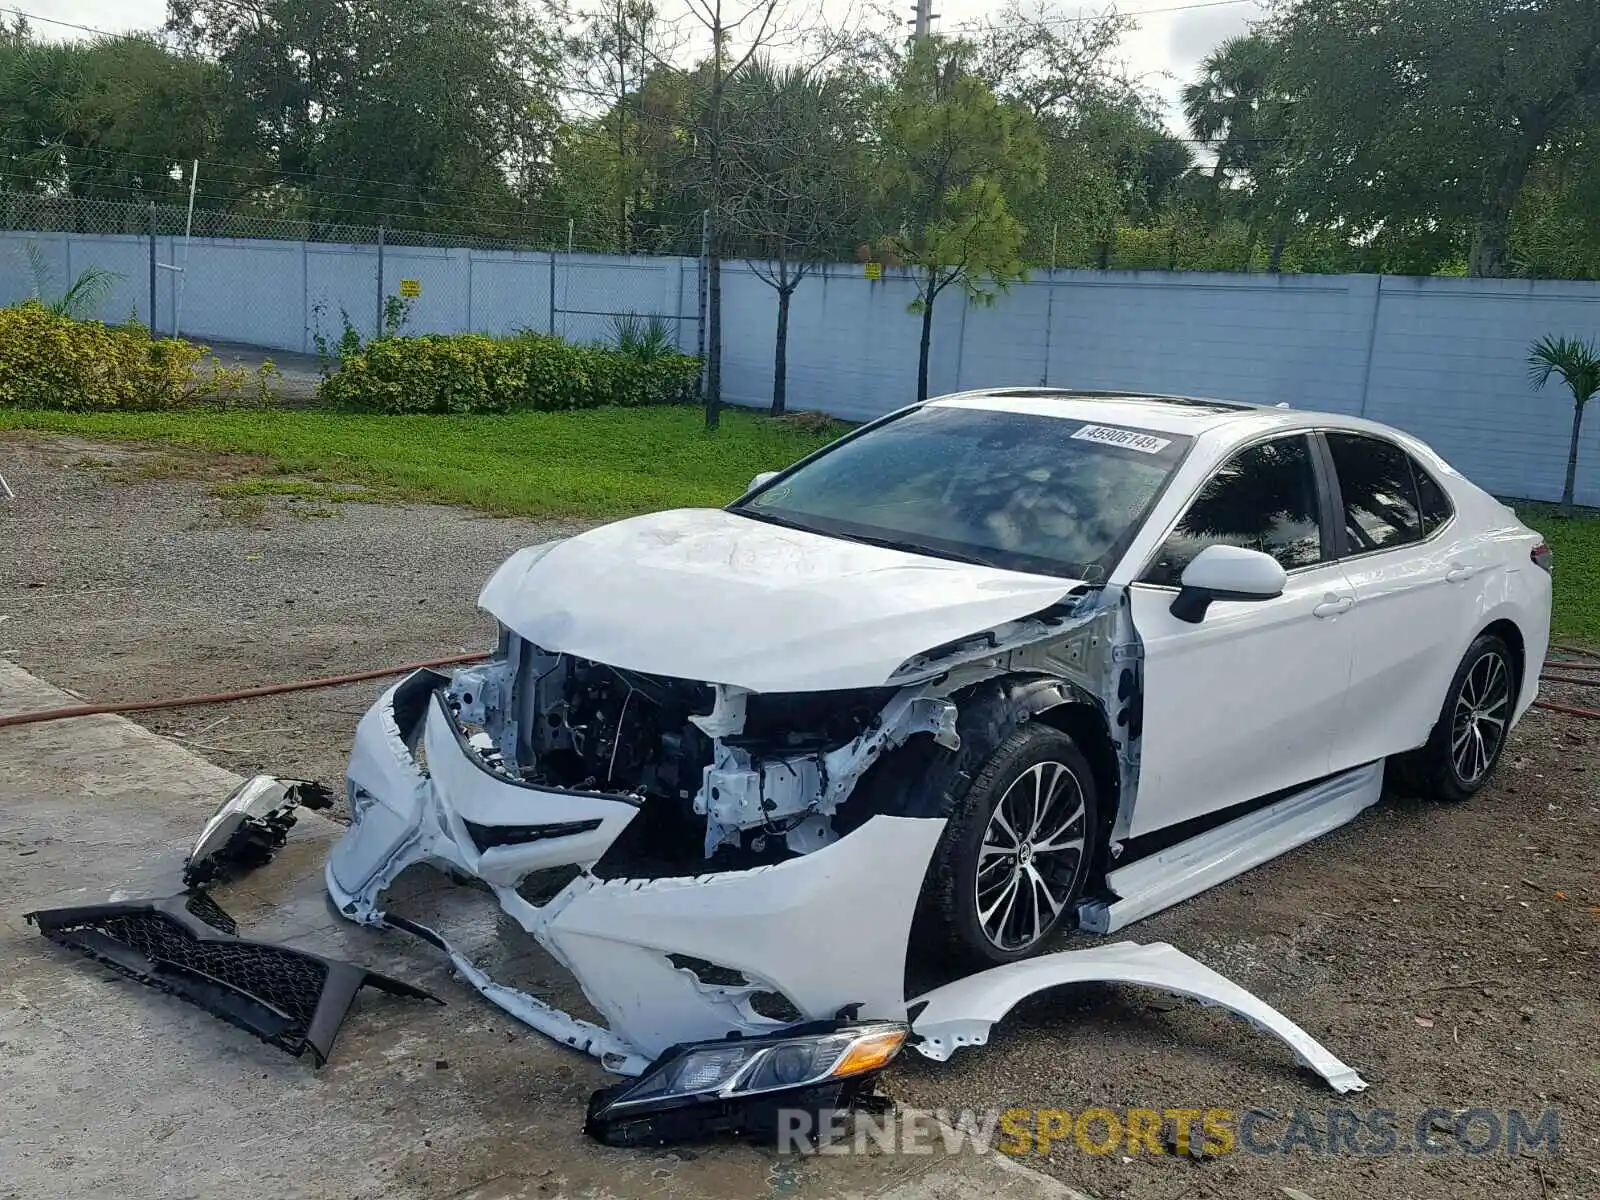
[1459,574]
[1332,605]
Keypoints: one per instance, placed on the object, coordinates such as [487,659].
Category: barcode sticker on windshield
[1128,439]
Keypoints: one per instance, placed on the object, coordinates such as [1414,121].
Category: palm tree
[83,296]
[1224,106]
[1235,109]
[1578,364]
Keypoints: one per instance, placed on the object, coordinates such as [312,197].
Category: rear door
[1415,572]
[1250,700]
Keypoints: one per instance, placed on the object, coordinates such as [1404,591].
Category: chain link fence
[305,286]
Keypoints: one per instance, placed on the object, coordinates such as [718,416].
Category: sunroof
[1190,402]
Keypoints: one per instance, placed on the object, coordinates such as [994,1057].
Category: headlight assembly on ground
[740,1085]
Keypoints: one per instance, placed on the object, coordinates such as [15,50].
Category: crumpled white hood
[708,595]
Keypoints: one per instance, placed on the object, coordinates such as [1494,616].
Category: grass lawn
[597,463]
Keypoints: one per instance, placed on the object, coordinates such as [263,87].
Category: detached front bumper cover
[186,946]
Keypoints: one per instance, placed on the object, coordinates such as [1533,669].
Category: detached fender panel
[962,1013]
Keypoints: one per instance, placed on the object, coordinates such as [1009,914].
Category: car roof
[1188,415]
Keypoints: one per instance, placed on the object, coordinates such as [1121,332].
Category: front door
[1250,700]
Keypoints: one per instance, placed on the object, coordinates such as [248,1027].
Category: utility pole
[924,20]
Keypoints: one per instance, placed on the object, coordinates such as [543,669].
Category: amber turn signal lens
[870,1052]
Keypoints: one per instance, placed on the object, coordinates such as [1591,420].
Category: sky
[1164,49]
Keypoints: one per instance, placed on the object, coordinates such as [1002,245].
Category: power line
[68,24]
[450,201]
[1135,12]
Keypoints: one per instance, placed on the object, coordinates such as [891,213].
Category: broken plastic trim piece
[962,1013]
[249,827]
[744,1087]
[184,946]
[614,1054]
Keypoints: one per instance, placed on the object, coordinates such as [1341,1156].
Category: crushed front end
[693,821]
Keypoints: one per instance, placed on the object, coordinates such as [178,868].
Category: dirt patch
[127,575]
[1449,953]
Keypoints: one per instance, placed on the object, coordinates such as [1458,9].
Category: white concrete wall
[1443,358]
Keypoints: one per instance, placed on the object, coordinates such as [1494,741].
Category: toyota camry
[992,667]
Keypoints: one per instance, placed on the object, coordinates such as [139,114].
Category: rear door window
[1431,499]
[1379,486]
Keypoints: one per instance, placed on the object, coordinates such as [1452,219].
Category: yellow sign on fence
[411,288]
[874,270]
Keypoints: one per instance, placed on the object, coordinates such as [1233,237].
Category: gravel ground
[1449,953]
[123,577]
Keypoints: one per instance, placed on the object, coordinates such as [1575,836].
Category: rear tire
[1015,854]
[1465,747]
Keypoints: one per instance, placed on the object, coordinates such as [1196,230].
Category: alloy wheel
[1478,724]
[1031,852]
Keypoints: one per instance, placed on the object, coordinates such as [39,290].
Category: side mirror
[1226,573]
[762,479]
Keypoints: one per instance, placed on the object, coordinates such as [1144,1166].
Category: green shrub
[466,373]
[49,360]
[646,339]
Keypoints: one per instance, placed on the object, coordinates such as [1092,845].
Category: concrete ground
[113,1089]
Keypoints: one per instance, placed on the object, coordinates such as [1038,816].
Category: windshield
[1028,493]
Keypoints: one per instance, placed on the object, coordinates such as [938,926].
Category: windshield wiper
[756,514]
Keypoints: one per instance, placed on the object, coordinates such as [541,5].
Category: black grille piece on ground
[185,946]
[200,904]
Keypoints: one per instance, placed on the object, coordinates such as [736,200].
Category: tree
[1555,230]
[952,159]
[1430,115]
[1237,108]
[1106,155]
[1224,106]
[438,114]
[653,174]
[756,21]
[622,45]
[110,118]
[1577,363]
[794,182]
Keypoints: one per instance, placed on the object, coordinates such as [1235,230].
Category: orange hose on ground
[1572,679]
[271,689]
[1576,650]
[306,685]
[1592,714]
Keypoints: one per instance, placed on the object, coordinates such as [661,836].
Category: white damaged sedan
[997,665]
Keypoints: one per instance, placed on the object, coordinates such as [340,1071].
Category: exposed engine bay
[718,772]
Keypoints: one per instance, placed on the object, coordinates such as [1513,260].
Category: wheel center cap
[1024,854]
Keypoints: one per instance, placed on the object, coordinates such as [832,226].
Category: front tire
[1015,853]
[1470,735]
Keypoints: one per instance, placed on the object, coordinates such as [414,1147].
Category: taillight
[1542,558]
